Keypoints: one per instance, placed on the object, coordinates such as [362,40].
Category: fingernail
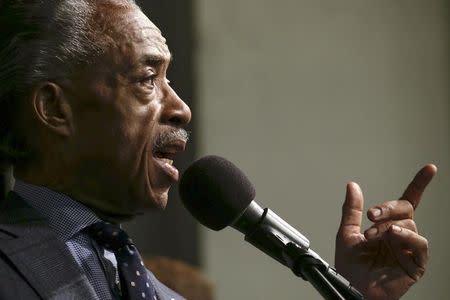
[372,232]
[376,212]
[396,228]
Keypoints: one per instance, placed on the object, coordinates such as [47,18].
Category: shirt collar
[64,215]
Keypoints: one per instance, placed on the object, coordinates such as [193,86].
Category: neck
[88,189]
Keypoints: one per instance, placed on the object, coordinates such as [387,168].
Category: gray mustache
[166,137]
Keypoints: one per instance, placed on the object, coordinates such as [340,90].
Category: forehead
[135,39]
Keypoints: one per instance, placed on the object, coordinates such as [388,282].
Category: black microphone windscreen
[215,191]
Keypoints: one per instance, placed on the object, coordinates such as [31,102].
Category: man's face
[127,123]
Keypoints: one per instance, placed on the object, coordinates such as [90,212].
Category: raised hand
[385,261]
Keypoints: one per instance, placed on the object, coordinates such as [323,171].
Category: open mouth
[164,156]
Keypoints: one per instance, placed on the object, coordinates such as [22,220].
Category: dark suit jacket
[35,264]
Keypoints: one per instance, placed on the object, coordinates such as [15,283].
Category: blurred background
[305,96]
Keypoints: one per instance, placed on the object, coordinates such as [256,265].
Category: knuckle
[385,226]
[410,224]
[420,271]
[425,244]
[389,205]
[409,209]
[385,208]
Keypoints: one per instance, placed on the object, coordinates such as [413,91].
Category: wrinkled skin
[97,129]
[390,256]
[119,111]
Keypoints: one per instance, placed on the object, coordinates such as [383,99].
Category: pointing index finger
[415,189]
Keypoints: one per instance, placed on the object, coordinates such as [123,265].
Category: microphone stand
[325,280]
[272,235]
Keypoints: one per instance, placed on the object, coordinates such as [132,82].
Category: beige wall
[307,95]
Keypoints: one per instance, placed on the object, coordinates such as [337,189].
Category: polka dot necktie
[135,283]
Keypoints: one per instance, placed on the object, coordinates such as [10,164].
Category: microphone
[218,194]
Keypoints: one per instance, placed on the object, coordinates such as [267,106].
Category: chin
[155,200]
[161,202]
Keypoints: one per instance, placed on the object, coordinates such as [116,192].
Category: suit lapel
[37,253]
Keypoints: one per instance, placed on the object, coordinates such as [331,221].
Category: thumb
[352,211]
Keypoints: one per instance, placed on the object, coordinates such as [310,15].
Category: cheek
[138,129]
[97,121]
[97,137]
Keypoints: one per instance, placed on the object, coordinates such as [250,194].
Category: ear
[52,109]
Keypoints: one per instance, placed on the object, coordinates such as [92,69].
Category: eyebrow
[156,59]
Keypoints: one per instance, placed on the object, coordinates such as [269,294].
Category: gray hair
[42,40]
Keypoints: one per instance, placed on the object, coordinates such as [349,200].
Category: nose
[175,112]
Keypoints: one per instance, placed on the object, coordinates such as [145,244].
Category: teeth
[160,156]
[167,161]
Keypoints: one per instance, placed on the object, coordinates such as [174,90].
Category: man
[92,127]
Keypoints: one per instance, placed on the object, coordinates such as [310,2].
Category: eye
[149,81]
